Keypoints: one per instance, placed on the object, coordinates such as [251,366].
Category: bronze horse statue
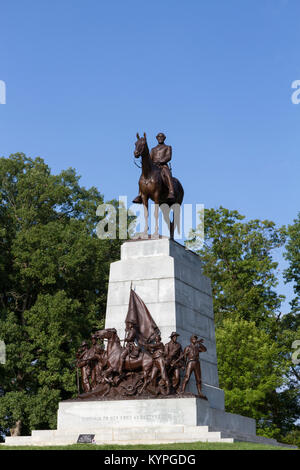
[114,349]
[152,186]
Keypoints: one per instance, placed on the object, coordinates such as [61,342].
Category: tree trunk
[16,430]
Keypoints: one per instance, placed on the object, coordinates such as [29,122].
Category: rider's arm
[201,346]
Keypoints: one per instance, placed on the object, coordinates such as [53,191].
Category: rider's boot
[137,200]
[168,179]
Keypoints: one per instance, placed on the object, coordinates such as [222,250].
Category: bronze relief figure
[157,183]
[174,356]
[191,356]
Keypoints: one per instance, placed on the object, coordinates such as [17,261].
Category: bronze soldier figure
[131,348]
[157,350]
[191,355]
[161,155]
[83,363]
[174,355]
[96,354]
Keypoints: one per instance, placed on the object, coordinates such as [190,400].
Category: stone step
[240,437]
[18,440]
[140,435]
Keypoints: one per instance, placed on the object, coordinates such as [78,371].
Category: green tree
[249,367]
[291,321]
[293,437]
[292,255]
[53,284]
[238,258]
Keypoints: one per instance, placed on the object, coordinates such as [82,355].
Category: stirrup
[137,200]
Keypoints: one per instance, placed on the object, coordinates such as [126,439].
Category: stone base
[147,421]
[139,435]
[90,415]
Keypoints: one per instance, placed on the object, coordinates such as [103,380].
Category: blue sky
[83,77]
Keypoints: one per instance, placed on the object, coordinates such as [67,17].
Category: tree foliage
[53,284]
[292,255]
[237,257]
[249,367]
[258,375]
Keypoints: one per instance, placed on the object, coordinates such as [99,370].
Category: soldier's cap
[174,334]
[93,335]
[161,133]
[84,343]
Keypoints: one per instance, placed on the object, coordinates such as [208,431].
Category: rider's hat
[161,133]
[84,343]
[174,334]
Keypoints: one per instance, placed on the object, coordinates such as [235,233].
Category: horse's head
[141,146]
[106,334]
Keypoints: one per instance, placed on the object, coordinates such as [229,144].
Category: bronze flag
[141,317]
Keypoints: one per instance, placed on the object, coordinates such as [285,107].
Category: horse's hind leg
[156,213]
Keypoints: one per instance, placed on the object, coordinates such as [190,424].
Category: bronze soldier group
[101,376]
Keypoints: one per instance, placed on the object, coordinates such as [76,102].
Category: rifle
[78,386]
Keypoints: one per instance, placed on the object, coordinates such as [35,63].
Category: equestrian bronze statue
[157,183]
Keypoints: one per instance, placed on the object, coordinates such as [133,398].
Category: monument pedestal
[169,280]
[147,421]
[87,416]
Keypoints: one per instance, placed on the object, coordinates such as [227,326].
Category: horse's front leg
[146,215]
[156,213]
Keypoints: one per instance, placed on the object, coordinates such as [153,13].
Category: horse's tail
[165,208]
[177,213]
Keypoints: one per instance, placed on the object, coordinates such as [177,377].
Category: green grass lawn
[187,446]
